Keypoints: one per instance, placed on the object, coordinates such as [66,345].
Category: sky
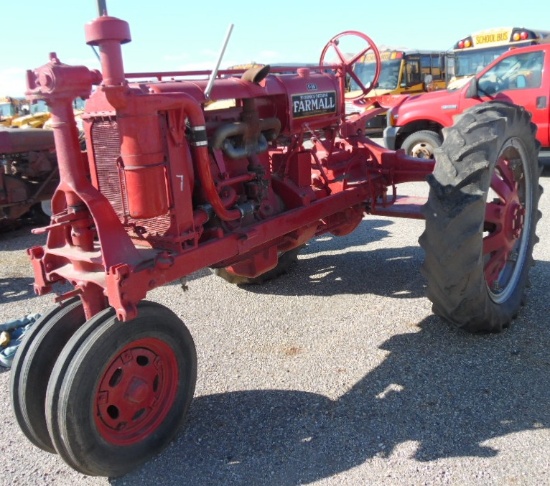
[179,35]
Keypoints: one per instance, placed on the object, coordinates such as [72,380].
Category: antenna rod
[215,71]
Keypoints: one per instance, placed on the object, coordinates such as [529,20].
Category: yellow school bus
[401,72]
[472,53]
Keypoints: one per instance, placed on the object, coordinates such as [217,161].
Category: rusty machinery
[170,184]
[28,174]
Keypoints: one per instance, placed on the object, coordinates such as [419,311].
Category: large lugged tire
[481,217]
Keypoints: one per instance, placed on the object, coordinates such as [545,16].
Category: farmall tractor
[171,183]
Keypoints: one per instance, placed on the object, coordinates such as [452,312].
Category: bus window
[413,74]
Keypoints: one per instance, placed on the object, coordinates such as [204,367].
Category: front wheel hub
[136,391]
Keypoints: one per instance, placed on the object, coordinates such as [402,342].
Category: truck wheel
[421,144]
[286,261]
[481,217]
[120,391]
[33,364]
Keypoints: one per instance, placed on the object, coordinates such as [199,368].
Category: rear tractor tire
[481,217]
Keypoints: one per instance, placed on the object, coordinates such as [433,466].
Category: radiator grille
[106,147]
[106,142]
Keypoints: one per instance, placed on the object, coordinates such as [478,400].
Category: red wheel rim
[504,223]
[136,391]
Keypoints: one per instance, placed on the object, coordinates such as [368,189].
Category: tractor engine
[163,154]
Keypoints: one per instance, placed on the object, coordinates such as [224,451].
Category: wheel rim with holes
[481,218]
[136,391]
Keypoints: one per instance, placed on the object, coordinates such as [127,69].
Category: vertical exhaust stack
[109,33]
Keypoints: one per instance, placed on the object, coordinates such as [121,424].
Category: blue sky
[178,35]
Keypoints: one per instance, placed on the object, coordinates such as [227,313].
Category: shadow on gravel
[320,271]
[330,265]
[16,288]
[204,272]
[443,392]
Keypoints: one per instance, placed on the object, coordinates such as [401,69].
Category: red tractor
[171,183]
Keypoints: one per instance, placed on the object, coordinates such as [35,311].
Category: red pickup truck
[518,76]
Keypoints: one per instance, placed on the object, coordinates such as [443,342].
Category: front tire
[120,391]
[481,217]
[33,365]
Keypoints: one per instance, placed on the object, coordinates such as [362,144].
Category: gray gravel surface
[335,374]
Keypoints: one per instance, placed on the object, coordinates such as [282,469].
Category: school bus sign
[501,36]
[496,37]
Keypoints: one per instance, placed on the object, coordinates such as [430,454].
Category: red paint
[171,183]
[504,219]
[136,392]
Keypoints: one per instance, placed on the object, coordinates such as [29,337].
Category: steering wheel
[491,85]
[348,61]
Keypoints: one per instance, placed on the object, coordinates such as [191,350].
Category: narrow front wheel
[124,391]
[33,366]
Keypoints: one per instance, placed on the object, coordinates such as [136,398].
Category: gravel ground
[335,374]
